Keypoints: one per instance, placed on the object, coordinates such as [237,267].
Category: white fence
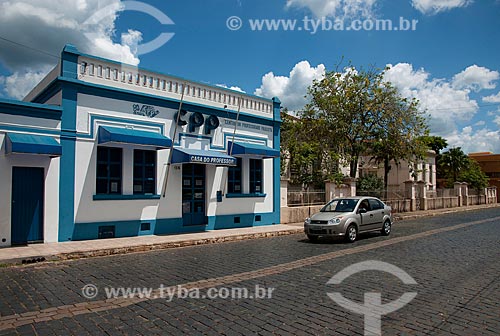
[298,204]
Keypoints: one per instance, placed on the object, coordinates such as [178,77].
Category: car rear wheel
[312,238]
[351,233]
[386,229]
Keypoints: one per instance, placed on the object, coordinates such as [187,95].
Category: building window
[109,170]
[255,176]
[144,172]
[234,185]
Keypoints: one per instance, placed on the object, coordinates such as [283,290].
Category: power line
[428,109]
[463,108]
[31,48]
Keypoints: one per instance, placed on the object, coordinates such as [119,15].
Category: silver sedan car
[347,217]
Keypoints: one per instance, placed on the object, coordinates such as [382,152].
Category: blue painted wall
[69,69]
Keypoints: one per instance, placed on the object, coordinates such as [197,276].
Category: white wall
[402,172]
[51,169]
[51,201]
[101,109]
[215,177]
[28,122]
[87,210]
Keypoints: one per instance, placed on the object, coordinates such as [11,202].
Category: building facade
[425,171]
[490,165]
[102,149]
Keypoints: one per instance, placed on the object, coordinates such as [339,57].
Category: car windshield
[340,205]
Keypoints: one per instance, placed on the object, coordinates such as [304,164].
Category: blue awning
[184,155]
[240,149]
[132,136]
[32,144]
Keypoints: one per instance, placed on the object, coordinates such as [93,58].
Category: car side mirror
[362,210]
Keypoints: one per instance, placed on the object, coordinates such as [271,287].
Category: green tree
[436,143]
[474,176]
[351,113]
[453,162]
[358,112]
[343,106]
[370,184]
[304,153]
[398,135]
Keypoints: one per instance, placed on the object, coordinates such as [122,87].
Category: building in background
[400,173]
[490,165]
[87,155]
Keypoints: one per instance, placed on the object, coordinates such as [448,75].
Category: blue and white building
[103,149]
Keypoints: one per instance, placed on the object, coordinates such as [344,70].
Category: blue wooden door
[193,194]
[27,204]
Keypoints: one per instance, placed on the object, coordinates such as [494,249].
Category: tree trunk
[387,168]
[353,167]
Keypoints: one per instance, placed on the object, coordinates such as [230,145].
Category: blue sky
[450,61]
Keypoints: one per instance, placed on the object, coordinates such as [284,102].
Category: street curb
[144,248]
[432,213]
[37,260]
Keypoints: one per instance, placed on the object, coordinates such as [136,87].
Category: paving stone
[458,292]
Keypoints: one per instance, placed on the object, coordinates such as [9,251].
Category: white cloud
[291,90]
[431,7]
[482,140]
[476,78]
[132,39]
[449,104]
[341,9]
[234,88]
[47,26]
[445,103]
[18,84]
[492,98]
[497,120]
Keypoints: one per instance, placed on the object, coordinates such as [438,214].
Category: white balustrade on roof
[131,78]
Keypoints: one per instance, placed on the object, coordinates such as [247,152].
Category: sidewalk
[93,248]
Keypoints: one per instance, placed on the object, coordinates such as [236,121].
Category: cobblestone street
[453,258]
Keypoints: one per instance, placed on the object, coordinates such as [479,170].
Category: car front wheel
[351,233]
[386,229]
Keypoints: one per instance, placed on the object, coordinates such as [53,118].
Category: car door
[367,220]
[376,213]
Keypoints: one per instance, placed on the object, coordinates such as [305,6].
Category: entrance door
[27,205]
[193,195]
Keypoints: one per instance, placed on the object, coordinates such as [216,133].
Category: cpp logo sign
[137,6]
[372,308]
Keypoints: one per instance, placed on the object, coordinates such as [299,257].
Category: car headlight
[307,221]
[334,221]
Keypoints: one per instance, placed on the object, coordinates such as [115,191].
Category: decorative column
[330,189]
[427,173]
[465,193]
[351,182]
[422,194]
[433,177]
[457,186]
[284,193]
[410,194]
